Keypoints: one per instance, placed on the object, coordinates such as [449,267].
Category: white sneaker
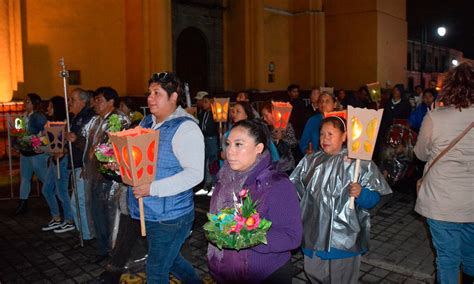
[202,191]
[210,192]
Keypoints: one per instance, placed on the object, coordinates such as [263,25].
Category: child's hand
[355,190]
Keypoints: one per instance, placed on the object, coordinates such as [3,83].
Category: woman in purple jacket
[249,166]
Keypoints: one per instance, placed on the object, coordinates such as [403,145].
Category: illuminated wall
[365,42]
[112,43]
[289,34]
[120,43]
[11,58]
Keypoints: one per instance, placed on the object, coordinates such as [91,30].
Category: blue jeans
[83,208]
[165,239]
[454,244]
[58,187]
[37,164]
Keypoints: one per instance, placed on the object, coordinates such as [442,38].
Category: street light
[455,62]
[442,31]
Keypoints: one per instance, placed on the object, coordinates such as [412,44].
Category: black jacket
[77,123]
[207,124]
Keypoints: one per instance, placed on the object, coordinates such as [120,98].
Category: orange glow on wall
[11,57]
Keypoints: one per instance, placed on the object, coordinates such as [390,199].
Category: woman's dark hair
[109,93]
[337,122]
[59,109]
[247,108]
[258,130]
[128,101]
[35,100]
[266,105]
[458,87]
[170,83]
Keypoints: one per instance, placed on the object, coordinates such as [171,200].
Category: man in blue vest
[168,201]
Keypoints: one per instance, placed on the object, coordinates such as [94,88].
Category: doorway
[192,64]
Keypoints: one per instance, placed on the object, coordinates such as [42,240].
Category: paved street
[400,250]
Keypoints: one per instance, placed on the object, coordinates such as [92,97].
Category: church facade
[214,45]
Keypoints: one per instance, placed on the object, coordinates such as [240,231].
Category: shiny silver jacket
[323,183]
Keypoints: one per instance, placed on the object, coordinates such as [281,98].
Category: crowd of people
[300,177]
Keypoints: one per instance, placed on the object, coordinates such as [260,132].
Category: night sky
[456,15]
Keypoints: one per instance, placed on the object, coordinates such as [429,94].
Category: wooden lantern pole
[142,216]
[57,168]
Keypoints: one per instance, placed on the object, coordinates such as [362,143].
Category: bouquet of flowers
[238,227]
[105,153]
[28,143]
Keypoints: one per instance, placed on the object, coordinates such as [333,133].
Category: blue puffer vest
[171,207]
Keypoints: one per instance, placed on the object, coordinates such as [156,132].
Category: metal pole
[65,74]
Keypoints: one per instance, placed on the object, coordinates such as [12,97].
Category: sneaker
[65,227]
[210,192]
[201,192]
[53,224]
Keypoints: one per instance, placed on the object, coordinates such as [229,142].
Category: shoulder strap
[450,146]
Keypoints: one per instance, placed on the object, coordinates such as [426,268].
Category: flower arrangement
[115,124]
[105,153]
[239,227]
[28,143]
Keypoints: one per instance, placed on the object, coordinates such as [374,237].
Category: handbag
[440,155]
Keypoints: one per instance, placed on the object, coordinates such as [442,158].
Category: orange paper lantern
[136,152]
[220,109]
[342,114]
[55,131]
[281,114]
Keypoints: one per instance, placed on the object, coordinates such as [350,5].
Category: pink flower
[109,152]
[236,228]
[35,141]
[243,193]
[253,222]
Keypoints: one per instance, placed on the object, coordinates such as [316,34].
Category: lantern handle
[356,179]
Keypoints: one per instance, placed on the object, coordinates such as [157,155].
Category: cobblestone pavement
[399,252]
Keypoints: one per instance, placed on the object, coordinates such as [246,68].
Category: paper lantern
[136,152]
[342,114]
[220,109]
[281,114]
[55,131]
[363,126]
[374,91]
